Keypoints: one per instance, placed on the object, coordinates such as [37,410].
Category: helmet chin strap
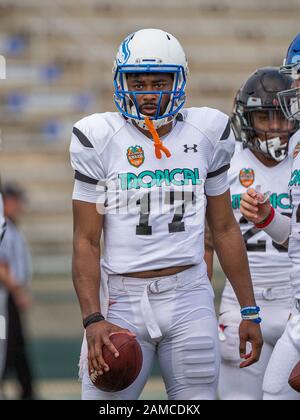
[273,148]
[158,144]
[156,123]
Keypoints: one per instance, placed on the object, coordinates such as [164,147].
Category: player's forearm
[278,228]
[232,255]
[209,251]
[86,276]
[209,259]
[6,278]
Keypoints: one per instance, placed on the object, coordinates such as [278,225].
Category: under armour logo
[186,148]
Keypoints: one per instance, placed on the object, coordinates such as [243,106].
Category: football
[294,379]
[124,369]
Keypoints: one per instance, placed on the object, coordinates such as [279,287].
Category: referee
[15,276]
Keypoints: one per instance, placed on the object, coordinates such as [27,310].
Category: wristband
[91,319]
[267,220]
[250,317]
[251,313]
[279,228]
[250,310]
[256,320]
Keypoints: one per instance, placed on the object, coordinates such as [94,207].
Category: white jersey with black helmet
[269,262]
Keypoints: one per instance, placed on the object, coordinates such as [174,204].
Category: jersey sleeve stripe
[226,132]
[218,171]
[84,178]
[82,138]
[3,231]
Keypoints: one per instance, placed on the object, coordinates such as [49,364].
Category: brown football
[294,379]
[123,369]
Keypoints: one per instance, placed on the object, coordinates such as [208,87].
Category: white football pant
[174,319]
[284,357]
[246,384]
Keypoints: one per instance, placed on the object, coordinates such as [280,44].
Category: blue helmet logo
[295,59]
[125,51]
[293,53]
[291,63]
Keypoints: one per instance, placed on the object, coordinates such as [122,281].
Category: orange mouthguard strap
[158,144]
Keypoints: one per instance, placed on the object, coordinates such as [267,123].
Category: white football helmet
[290,99]
[150,51]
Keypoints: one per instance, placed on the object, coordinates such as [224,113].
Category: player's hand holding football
[251,332]
[253,208]
[98,335]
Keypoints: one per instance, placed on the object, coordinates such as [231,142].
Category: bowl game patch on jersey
[246,177]
[296,151]
[135,156]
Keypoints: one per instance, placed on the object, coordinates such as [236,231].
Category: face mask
[295,111]
[273,148]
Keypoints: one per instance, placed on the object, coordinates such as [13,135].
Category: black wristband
[91,319]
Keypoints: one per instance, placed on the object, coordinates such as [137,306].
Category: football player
[145,176]
[285,231]
[260,160]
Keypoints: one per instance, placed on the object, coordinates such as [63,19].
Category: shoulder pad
[96,130]
[214,124]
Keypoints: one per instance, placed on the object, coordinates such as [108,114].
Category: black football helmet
[257,119]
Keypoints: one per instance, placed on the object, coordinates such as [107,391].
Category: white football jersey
[269,262]
[155,208]
[294,185]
